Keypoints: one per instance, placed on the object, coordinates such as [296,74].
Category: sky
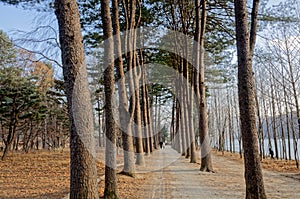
[12,18]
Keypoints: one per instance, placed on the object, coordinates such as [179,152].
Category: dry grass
[284,166]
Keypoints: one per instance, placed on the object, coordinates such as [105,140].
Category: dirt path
[177,178]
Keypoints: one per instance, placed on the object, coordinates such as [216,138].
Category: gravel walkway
[174,177]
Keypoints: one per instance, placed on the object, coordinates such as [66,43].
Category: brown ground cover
[38,174]
[284,166]
[45,174]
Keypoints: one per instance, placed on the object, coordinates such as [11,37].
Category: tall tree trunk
[296,155]
[267,119]
[130,48]
[230,130]
[149,119]
[260,126]
[182,121]
[206,161]
[99,122]
[154,124]
[12,130]
[137,76]
[138,125]
[83,183]
[292,80]
[110,190]
[287,120]
[125,117]
[178,131]
[283,144]
[239,137]
[274,121]
[172,126]
[146,132]
[232,124]
[185,103]
[253,173]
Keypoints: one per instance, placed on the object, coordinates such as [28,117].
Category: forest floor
[45,174]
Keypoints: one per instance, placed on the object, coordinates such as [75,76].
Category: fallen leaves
[38,174]
[45,174]
[284,166]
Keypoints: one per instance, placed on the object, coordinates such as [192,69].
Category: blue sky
[12,18]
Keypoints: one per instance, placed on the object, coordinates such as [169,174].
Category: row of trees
[277,106]
[130,115]
[183,100]
[125,69]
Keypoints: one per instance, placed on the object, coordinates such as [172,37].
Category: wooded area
[137,73]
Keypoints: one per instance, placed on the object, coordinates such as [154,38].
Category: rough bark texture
[146,132]
[138,126]
[130,8]
[193,158]
[182,121]
[253,173]
[125,119]
[137,117]
[185,101]
[110,190]
[83,182]
[150,129]
[206,161]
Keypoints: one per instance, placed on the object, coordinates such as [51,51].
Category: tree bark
[83,183]
[274,122]
[125,117]
[260,126]
[253,174]
[296,155]
[110,190]
[206,160]
[150,129]
[146,132]
[287,119]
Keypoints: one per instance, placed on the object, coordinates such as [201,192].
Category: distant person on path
[161,143]
[271,152]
